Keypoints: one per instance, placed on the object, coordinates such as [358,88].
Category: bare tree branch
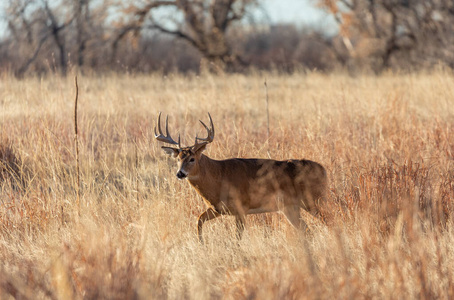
[403,33]
[27,64]
[205,25]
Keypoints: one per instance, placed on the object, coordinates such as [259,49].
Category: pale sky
[300,12]
[292,11]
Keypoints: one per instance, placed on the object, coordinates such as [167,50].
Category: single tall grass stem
[77,147]
[267,111]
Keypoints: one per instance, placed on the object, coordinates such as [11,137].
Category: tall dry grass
[387,143]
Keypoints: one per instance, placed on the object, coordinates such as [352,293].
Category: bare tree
[82,17]
[39,22]
[90,33]
[395,33]
[203,24]
[43,30]
[23,32]
[55,26]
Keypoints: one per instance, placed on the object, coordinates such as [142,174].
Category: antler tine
[167,126]
[165,138]
[159,126]
[210,131]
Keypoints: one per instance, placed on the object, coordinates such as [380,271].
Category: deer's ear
[171,151]
[200,149]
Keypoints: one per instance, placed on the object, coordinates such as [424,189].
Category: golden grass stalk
[76,139]
[267,111]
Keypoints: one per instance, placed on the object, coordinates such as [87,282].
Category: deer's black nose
[181,175]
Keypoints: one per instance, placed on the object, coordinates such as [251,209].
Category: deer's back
[292,176]
[257,184]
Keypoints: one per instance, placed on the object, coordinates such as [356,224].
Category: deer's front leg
[209,214]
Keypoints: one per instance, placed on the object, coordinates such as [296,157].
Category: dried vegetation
[387,143]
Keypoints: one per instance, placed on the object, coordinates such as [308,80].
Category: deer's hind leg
[293,215]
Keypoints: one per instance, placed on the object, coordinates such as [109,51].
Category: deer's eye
[192,159]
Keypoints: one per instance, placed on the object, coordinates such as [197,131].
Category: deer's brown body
[249,186]
[241,186]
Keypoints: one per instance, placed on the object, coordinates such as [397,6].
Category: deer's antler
[165,138]
[210,131]
[208,139]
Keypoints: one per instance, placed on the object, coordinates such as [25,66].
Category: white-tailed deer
[240,186]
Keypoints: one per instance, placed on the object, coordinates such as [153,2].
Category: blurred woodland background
[43,36]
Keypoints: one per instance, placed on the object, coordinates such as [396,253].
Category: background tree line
[221,35]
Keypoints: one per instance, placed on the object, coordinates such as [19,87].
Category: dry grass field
[387,143]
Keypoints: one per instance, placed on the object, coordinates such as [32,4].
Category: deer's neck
[206,169]
[206,182]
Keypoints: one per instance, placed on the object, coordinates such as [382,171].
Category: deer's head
[187,157]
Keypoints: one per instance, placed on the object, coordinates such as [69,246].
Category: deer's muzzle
[181,175]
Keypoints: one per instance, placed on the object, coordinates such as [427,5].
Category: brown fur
[240,186]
